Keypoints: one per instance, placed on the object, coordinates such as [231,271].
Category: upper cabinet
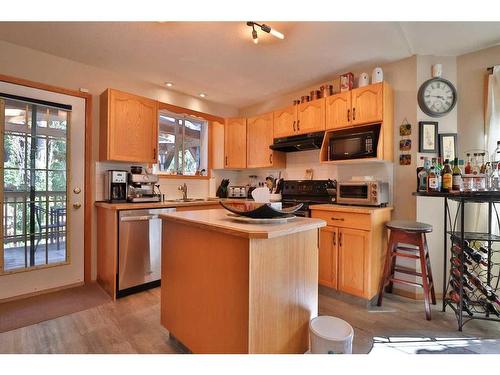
[128,127]
[235,143]
[259,138]
[284,121]
[367,104]
[338,110]
[217,144]
[304,118]
[311,116]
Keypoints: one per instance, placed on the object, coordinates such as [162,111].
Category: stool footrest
[396,280]
[403,255]
[407,271]
[405,248]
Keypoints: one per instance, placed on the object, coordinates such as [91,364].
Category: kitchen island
[232,287]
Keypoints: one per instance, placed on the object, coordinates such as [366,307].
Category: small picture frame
[428,137]
[405,145]
[448,146]
[405,159]
[405,130]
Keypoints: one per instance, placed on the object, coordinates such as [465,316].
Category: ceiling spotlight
[169,84]
[203,95]
[255,38]
[265,28]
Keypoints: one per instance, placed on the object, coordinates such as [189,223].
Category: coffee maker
[115,186]
[141,188]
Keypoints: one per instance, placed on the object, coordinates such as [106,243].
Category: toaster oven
[363,193]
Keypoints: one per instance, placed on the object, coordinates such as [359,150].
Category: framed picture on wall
[448,146]
[428,136]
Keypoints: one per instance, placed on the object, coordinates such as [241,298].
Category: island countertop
[218,220]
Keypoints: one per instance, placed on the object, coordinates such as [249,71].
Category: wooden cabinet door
[353,247]
[132,128]
[216,145]
[367,104]
[235,143]
[328,254]
[285,121]
[338,110]
[311,116]
[259,138]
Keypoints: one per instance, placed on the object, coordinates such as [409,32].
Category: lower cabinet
[352,248]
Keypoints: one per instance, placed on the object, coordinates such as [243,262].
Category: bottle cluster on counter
[475,174]
[473,281]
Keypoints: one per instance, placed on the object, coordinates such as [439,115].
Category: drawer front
[344,219]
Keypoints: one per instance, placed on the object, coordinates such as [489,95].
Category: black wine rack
[469,301]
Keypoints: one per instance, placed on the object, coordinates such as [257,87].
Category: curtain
[492,123]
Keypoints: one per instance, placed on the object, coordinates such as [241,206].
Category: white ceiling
[218,58]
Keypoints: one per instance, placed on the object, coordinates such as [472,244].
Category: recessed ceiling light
[203,95]
[169,84]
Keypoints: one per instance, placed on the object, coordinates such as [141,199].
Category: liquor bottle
[447,177]
[455,297]
[439,171]
[482,164]
[419,169]
[475,164]
[422,175]
[468,165]
[496,154]
[432,180]
[456,184]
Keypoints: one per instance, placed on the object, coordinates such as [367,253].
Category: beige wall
[471,71]
[37,66]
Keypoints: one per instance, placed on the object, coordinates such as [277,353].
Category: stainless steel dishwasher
[139,250]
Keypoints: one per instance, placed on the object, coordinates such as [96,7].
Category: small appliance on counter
[237,192]
[363,193]
[115,186]
[222,189]
[141,188]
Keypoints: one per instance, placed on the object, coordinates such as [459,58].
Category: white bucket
[330,335]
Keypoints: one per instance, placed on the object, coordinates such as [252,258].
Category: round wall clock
[437,97]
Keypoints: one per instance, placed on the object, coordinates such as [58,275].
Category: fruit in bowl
[258,210]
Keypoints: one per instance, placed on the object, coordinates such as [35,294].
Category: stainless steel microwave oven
[363,193]
[357,143]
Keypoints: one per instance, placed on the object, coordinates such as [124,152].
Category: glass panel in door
[34,194]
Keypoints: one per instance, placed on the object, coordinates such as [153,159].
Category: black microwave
[358,143]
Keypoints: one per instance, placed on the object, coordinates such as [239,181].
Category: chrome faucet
[184,190]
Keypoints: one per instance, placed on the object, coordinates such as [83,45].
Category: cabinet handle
[270,158]
[340,239]
[337,219]
[154,153]
[294,125]
[226,160]
[334,238]
[348,115]
[353,114]
[298,123]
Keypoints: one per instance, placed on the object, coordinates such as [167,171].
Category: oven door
[353,193]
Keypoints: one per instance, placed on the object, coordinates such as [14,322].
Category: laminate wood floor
[132,325]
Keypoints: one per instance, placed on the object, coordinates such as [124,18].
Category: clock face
[437,97]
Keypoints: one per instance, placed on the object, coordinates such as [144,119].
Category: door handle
[353,114]
[294,125]
[298,123]
[337,219]
[348,115]
[77,205]
[340,239]
[226,160]
[270,158]
[334,238]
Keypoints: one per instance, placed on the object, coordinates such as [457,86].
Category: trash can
[330,335]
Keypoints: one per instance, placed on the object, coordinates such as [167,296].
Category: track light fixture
[264,28]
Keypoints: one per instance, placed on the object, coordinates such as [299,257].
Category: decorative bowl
[258,210]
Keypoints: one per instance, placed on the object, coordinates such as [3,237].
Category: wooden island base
[223,292]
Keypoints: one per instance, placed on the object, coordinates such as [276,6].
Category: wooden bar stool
[404,233]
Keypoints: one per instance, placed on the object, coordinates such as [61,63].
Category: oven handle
[139,218]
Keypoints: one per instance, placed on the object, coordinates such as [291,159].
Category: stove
[308,192]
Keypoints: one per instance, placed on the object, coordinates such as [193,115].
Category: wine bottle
[456,259]
[455,297]
[488,306]
[483,288]
[474,254]
[456,275]
[483,249]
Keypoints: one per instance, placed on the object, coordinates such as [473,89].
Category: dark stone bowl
[258,210]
